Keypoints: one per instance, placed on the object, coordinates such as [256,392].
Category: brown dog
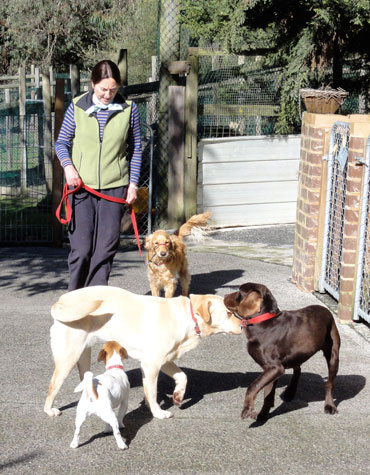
[166,256]
[282,339]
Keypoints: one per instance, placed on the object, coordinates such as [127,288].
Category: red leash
[67,192]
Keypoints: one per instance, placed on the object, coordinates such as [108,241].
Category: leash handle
[67,192]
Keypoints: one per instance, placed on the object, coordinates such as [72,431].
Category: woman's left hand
[131,193]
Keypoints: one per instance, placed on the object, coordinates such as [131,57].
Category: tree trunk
[337,64]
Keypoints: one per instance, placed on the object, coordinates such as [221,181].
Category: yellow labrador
[154,330]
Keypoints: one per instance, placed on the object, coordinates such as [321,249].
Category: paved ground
[206,436]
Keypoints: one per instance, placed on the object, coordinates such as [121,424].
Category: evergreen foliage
[311,40]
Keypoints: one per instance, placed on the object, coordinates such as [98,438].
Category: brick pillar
[311,199]
[359,133]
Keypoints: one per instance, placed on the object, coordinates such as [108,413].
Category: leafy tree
[137,31]
[59,32]
[304,37]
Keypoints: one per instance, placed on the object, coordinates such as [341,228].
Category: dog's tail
[87,384]
[197,226]
[65,311]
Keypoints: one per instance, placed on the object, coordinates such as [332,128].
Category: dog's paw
[178,397]
[244,413]
[53,412]
[162,414]
[249,412]
[74,444]
[330,409]
[121,445]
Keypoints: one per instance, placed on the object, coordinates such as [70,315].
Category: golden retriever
[153,330]
[166,256]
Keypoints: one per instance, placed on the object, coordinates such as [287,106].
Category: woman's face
[105,90]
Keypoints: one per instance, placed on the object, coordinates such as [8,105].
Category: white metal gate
[362,295]
[334,209]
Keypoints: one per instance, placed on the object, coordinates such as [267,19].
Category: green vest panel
[101,164]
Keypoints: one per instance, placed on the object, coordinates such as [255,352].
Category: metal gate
[362,293]
[334,209]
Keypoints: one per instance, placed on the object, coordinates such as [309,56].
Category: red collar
[118,366]
[197,329]
[157,263]
[257,319]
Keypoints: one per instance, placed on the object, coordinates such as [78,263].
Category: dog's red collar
[262,317]
[160,263]
[151,261]
[197,329]
[118,366]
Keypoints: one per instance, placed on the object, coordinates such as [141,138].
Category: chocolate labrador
[282,339]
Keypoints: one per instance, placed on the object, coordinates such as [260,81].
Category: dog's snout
[163,253]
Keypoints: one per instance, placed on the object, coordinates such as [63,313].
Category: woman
[99,143]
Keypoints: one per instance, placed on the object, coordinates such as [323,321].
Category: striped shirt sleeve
[63,145]
[134,145]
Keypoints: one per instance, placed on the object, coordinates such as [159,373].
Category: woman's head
[105,80]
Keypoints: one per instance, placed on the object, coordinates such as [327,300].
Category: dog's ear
[269,303]
[251,303]
[123,353]
[201,306]
[174,242]
[177,244]
[148,242]
[102,355]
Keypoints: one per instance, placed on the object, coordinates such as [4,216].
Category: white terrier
[104,393]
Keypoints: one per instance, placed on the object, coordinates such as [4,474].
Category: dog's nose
[162,253]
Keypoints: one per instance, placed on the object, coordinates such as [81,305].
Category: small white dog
[104,393]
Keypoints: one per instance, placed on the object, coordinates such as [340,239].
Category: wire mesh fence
[365,276]
[362,297]
[26,178]
[334,222]
[168,49]
[233,102]
[25,199]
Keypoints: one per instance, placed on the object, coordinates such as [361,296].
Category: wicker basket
[323,101]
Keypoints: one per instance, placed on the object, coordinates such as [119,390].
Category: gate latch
[360,161]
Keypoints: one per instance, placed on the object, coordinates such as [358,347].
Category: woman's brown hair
[105,69]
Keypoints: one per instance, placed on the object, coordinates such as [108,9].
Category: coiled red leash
[68,210]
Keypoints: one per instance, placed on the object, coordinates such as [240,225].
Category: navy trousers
[94,236]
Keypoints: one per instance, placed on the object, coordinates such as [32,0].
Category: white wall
[249,180]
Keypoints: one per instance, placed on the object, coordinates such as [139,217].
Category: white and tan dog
[154,330]
[102,394]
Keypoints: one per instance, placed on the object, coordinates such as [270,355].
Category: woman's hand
[131,193]
[72,176]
